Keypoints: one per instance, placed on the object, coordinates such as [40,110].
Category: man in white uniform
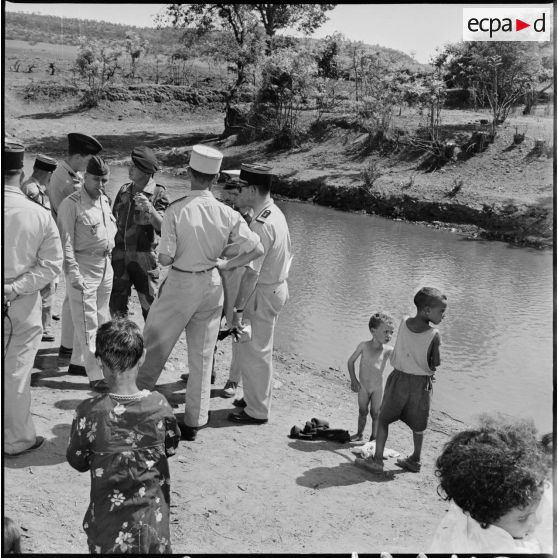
[35,189]
[194,233]
[65,180]
[262,294]
[87,229]
[32,259]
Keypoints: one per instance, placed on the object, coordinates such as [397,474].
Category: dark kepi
[12,155]
[86,145]
[45,163]
[256,175]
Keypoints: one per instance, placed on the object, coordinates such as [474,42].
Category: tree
[302,17]
[97,62]
[236,21]
[500,73]
[135,47]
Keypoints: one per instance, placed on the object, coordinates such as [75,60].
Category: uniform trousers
[253,359]
[90,309]
[231,283]
[25,338]
[67,332]
[191,302]
[47,297]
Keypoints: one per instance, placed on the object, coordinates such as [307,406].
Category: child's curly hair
[491,470]
[380,318]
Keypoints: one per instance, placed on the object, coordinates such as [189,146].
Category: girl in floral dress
[124,437]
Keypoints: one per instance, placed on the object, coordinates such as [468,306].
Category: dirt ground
[238,488]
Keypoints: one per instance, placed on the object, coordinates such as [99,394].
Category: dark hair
[379,318]
[202,176]
[12,537]
[262,189]
[429,296]
[119,344]
[12,172]
[493,469]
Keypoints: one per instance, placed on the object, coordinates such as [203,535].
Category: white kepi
[205,159]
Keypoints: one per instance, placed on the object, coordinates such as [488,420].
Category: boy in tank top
[408,389]
[374,355]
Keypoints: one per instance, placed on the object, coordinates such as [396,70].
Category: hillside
[504,191]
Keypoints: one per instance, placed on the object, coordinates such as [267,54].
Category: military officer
[35,189]
[194,233]
[139,207]
[32,258]
[87,228]
[262,294]
[66,179]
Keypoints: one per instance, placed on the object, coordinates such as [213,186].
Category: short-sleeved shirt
[271,226]
[32,249]
[197,228]
[63,182]
[133,234]
[87,228]
[36,192]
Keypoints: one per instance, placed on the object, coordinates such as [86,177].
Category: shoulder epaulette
[263,215]
[179,199]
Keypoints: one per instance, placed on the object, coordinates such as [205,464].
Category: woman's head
[119,345]
[496,473]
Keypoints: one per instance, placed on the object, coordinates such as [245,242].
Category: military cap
[144,159]
[45,163]
[205,159]
[86,145]
[97,166]
[256,175]
[12,155]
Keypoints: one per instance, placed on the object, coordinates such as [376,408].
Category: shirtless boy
[374,355]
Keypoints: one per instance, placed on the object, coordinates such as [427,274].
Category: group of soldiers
[62,219]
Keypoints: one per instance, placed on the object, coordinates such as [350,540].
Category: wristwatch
[238,310]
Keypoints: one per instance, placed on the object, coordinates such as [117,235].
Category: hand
[9,293]
[237,321]
[355,385]
[220,264]
[78,283]
[143,203]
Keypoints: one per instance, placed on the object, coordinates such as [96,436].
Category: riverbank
[238,489]
[504,193]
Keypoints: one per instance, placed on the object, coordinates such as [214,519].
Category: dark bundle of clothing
[315,429]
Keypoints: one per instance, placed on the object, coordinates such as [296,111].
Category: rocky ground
[238,488]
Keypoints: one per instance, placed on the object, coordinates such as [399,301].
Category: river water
[497,336]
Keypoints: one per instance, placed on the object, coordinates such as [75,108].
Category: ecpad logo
[507,24]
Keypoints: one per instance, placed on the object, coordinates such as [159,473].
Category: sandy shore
[238,488]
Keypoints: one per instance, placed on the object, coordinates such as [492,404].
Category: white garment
[410,354]
[459,532]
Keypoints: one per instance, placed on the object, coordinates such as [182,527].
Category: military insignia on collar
[263,216]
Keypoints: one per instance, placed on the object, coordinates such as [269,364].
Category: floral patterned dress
[124,440]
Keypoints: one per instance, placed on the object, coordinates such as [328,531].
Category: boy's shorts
[407,397]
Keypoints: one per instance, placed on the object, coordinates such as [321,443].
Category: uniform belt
[188,271]
[102,253]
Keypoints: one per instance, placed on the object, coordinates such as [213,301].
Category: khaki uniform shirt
[63,182]
[197,228]
[32,249]
[87,228]
[135,233]
[36,192]
[271,226]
